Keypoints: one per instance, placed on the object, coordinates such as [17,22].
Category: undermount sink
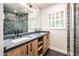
[20,39]
[35,35]
[32,35]
[42,33]
[28,37]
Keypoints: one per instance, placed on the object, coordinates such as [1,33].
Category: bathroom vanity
[23,33]
[35,44]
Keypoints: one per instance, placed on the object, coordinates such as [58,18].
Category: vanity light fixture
[31,7]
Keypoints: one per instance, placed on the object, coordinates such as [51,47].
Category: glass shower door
[76,29]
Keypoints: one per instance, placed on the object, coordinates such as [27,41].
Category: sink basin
[20,39]
[36,35]
[42,33]
[32,35]
[28,37]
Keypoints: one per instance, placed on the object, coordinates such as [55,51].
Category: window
[57,15]
[56,20]
[53,16]
[57,23]
[61,14]
[50,21]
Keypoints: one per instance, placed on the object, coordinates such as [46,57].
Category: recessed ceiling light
[15,11]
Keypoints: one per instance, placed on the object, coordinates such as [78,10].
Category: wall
[58,37]
[1,29]
[33,21]
[72,29]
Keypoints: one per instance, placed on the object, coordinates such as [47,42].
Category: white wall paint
[34,21]
[1,28]
[58,37]
[31,22]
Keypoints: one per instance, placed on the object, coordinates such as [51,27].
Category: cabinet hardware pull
[27,49]
[31,47]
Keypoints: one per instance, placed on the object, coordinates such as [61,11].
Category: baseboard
[71,53]
[59,50]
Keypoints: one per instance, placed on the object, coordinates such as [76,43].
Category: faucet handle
[15,32]
[35,29]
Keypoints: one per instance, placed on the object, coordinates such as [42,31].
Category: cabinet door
[30,49]
[35,47]
[24,50]
[15,52]
[20,51]
[48,40]
[45,44]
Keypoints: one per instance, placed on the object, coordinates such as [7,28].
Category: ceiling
[12,7]
[15,8]
[43,5]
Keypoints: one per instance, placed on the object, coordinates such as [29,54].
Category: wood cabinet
[34,48]
[26,50]
[20,51]
[40,46]
[45,44]
[30,49]
[15,52]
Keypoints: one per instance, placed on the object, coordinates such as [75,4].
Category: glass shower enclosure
[76,29]
[73,29]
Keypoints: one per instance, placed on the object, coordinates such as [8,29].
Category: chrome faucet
[37,30]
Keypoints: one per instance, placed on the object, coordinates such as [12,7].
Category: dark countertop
[9,45]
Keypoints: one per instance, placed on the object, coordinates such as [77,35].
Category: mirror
[15,19]
[19,18]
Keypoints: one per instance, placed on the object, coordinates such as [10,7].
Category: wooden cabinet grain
[32,48]
[45,44]
[26,50]
[35,47]
[20,51]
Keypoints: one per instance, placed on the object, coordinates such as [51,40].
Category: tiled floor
[54,53]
